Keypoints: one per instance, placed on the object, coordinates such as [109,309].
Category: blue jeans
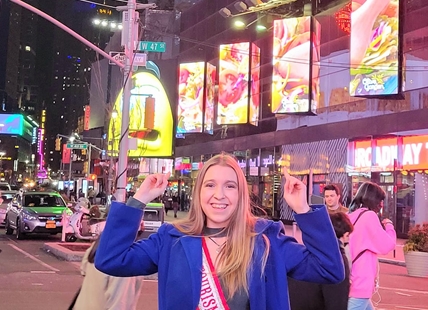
[360,304]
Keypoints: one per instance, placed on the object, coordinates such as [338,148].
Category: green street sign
[79,146]
[151,46]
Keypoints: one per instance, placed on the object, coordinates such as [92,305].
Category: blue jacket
[178,258]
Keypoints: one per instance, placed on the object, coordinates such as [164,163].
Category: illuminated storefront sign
[296,56]
[375,47]
[87,117]
[42,141]
[408,153]
[151,142]
[234,66]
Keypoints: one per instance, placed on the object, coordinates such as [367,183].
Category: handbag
[73,302]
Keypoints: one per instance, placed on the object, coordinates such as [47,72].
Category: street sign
[140,59]
[79,146]
[151,46]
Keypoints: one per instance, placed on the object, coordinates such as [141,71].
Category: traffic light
[85,167]
[58,144]
[92,177]
[83,151]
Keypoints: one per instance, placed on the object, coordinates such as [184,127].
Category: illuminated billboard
[255,85]
[234,66]
[374,50]
[191,97]
[295,82]
[150,122]
[211,73]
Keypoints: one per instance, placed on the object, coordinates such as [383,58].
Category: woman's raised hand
[295,193]
[153,186]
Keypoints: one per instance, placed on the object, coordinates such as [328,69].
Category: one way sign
[140,59]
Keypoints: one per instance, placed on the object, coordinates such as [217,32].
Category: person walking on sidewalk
[371,237]
[221,256]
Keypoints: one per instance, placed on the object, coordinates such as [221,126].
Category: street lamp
[71,139]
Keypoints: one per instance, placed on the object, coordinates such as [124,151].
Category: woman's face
[219,195]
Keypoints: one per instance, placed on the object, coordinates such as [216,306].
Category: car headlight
[29,217]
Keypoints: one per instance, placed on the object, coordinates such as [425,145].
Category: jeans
[360,304]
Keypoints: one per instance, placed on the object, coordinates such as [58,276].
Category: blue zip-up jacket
[178,258]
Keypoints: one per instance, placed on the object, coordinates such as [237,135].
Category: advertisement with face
[209,100]
[234,68]
[295,82]
[191,97]
[255,85]
[151,142]
[374,50]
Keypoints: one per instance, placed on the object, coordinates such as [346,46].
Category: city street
[30,278]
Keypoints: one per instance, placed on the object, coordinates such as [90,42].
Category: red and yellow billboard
[211,73]
[234,70]
[296,56]
[255,85]
[191,97]
[150,118]
[374,50]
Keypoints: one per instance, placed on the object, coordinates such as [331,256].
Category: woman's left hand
[295,193]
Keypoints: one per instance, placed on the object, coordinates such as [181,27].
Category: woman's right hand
[153,186]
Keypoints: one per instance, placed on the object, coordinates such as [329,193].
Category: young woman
[369,238]
[221,256]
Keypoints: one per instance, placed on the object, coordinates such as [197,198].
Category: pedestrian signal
[83,151]
[85,167]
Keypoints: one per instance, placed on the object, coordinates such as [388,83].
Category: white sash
[212,297]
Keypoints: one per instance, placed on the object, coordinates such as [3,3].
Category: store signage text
[414,153]
[257,162]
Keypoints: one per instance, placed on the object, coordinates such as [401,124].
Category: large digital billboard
[154,139]
[234,66]
[255,85]
[191,97]
[211,73]
[375,48]
[296,56]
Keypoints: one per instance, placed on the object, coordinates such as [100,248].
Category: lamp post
[71,139]
[111,142]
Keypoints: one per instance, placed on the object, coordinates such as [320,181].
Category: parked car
[2,213]
[35,213]
[6,191]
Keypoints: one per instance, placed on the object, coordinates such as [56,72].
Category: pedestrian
[313,296]
[167,202]
[371,237]
[100,291]
[332,199]
[221,256]
[175,203]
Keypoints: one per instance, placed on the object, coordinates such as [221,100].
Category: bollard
[294,229]
[64,223]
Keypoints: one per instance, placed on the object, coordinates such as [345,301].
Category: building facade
[317,147]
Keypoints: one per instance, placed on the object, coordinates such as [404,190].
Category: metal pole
[89,158]
[127,78]
[69,173]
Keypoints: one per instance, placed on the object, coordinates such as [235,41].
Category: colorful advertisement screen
[191,97]
[233,92]
[292,73]
[209,99]
[151,141]
[11,124]
[374,50]
[255,85]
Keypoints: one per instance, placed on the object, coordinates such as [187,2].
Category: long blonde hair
[235,258]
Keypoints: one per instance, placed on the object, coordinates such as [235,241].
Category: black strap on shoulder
[359,215]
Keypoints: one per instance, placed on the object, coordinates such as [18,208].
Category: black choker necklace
[215,232]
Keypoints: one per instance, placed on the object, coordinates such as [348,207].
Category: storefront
[400,166]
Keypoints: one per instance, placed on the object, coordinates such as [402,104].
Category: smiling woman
[221,256]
